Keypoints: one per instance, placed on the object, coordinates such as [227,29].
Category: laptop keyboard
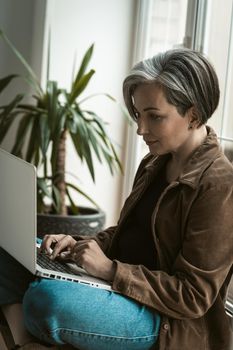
[44,261]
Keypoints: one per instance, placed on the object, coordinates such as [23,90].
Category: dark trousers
[14,279]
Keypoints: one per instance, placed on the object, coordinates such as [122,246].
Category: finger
[48,242]
[63,244]
[84,255]
[65,256]
[81,245]
[78,259]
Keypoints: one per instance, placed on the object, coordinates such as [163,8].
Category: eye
[154,116]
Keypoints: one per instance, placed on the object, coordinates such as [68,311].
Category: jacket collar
[201,159]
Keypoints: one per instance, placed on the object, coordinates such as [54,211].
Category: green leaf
[74,208]
[81,143]
[31,108]
[53,106]
[79,86]
[7,117]
[122,107]
[37,158]
[42,192]
[56,198]
[55,137]
[108,158]
[56,118]
[44,134]
[43,186]
[5,123]
[21,134]
[91,134]
[33,144]
[84,64]
[5,81]
[116,158]
[100,124]
[94,143]
[8,108]
[78,129]
[82,146]
[31,73]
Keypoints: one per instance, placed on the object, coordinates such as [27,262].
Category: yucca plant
[44,126]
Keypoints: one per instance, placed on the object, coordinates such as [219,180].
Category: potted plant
[45,123]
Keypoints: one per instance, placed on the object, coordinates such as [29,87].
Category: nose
[142,128]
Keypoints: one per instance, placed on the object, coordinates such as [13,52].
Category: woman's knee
[41,312]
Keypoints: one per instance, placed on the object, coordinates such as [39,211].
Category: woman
[170,257]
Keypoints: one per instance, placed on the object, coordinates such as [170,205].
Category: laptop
[18,224]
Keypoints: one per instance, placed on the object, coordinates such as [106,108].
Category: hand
[58,243]
[88,254]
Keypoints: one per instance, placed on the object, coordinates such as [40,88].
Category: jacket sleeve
[200,268]
[103,238]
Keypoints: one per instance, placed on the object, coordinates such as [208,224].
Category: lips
[149,143]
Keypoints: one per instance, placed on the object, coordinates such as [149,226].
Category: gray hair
[186,77]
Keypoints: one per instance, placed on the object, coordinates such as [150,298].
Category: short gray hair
[186,76]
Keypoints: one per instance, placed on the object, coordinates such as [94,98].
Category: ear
[193,117]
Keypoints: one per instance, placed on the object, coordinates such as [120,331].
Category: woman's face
[163,129]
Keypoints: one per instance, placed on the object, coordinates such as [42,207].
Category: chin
[156,151]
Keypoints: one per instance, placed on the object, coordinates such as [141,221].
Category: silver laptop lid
[18,209]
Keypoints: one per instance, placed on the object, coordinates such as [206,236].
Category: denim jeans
[88,318]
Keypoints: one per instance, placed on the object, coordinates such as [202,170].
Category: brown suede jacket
[192,227]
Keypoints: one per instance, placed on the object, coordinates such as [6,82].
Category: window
[218,45]
[167,30]
[168,21]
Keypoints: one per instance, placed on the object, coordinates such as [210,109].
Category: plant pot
[88,222]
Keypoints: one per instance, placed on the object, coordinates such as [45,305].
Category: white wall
[16,20]
[75,25]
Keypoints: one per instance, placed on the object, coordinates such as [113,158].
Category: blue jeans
[88,318]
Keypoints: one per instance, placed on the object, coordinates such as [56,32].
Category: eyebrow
[149,108]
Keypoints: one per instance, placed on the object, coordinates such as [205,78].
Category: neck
[196,138]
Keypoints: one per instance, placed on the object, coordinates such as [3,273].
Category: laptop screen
[18,209]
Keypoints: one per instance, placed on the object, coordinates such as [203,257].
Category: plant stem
[60,172]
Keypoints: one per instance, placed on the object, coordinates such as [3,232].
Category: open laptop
[18,222]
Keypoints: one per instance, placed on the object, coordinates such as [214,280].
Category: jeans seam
[106,336]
